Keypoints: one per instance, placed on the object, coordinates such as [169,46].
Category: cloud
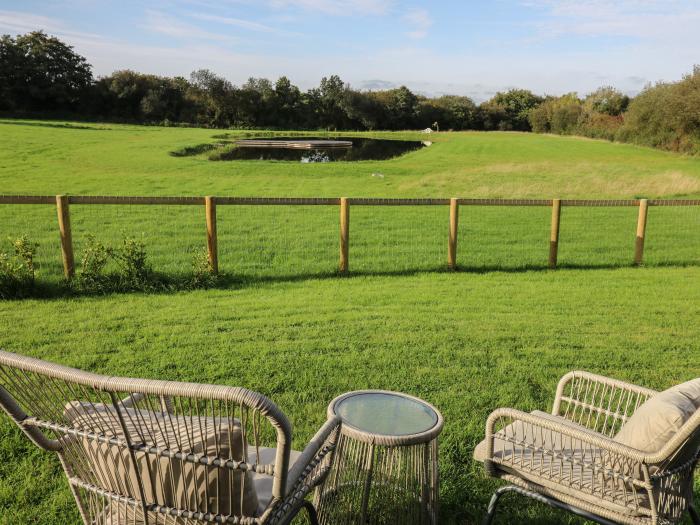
[165,24]
[673,21]
[419,21]
[377,85]
[338,7]
[22,22]
[238,22]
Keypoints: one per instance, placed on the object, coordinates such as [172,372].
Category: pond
[316,149]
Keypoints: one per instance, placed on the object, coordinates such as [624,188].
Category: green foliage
[17,270]
[41,73]
[509,110]
[666,115]
[136,273]
[203,275]
[90,275]
[608,101]
[133,271]
[597,116]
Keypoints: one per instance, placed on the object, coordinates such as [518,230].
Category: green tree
[41,73]
[512,109]
[666,115]
[288,104]
[327,100]
[216,96]
[607,100]
[557,115]
[402,108]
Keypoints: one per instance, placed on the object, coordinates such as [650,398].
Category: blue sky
[462,47]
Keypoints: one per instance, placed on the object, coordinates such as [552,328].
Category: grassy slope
[113,159]
[465,341]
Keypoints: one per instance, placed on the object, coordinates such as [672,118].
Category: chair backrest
[138,450]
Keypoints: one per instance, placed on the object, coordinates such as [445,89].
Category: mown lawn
[498,333]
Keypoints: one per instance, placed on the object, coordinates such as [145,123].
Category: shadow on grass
[168,284]
[61,125]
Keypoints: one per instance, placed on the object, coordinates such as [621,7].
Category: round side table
[385,468]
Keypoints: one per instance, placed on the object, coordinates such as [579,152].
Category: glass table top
[386,413]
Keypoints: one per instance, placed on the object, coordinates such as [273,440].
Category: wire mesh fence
[286,238]
[277,241]
[503,237]
[394,239]
[597,236]
[171,234]
[38,223]
[673,236]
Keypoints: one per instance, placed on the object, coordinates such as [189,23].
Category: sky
[466,47]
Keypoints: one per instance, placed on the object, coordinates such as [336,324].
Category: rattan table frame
[379,478]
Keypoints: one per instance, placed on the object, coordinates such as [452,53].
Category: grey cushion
[167,482]
[657,420]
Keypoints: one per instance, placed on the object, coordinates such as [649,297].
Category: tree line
[42,76]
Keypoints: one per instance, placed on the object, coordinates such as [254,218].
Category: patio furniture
[385,466]
[610,451]
[138,451]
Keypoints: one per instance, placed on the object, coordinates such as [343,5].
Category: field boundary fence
[63,204]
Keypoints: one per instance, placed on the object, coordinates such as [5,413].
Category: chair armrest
[304,470]
[583,435]
[132,401]
[530,449]
[597,402]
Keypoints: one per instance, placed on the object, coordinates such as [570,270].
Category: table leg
[369,465]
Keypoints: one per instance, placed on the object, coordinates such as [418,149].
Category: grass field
[498,333]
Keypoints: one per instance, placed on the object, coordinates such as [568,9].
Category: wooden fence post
[63,212]
[452,239]
[212,250]
[344,234]
[641,231]
[554,233]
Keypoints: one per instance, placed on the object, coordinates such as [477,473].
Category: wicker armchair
[158,452]
[568,459]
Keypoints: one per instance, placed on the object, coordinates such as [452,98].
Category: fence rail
[210,203]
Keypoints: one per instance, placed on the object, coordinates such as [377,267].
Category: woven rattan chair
[569,459]
[158,452]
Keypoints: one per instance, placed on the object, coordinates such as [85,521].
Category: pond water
[304,149]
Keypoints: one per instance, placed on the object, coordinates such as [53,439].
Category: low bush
[90,275]
[131,271]
[17,269]
[203,275]
[666,115]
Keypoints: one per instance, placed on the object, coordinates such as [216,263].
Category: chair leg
[311,511]
[694,516]
[491,510]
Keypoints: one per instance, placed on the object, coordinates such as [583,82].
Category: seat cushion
[117,514]
[263,482]
[166,481]
[540,463]
[658,419]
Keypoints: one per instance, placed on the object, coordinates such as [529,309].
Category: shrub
[17,270]
[90,276]
[666,115]
[557,115]
[203,275]
[136,273]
